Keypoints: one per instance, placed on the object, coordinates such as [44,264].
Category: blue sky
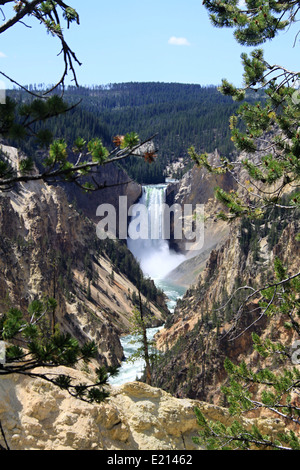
[137,40]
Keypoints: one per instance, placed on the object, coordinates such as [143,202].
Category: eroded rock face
[197,188]
[36,415]
[118,184]
[47,248]
[195,365]
[200,337]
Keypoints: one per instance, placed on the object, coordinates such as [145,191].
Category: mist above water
[155,257]
[156,261]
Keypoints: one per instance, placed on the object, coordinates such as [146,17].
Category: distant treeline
[181,115]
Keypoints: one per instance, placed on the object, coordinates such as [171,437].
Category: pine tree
[66,161]
[42,347]
[146,349]
[270,389]
[270,127]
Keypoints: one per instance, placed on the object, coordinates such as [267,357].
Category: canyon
[207,327]
[44,240]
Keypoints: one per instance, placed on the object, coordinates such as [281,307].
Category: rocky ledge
[36,415]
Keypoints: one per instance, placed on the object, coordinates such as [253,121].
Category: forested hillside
[182,116]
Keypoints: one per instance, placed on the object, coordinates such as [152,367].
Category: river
[156,260]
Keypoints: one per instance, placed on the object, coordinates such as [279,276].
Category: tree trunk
[145,344]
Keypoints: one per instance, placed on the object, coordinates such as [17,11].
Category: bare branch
[22,87]
[249,297]
[27,9]
[4,438]
[33,9]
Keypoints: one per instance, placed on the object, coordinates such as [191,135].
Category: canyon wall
[197,187]
[48,248]
[206,326]
[116,183]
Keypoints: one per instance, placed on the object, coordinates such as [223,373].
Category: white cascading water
[156,261]
[155,257]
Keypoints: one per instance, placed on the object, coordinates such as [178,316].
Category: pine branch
[53,176]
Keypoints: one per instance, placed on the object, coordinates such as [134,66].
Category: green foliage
[11,323]
[216,436]
[232,201]
[181,115]
[17,122]
[270,130]
[124,261]
[254,22]
[146,350]
[40,348]
[5,167]
[79,145]
[57,153]
[273,388]
[139,325]
[278,397]
[26,165]
[130,140]
[98,152]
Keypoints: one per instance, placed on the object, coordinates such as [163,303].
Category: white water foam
[155,257]
[156,261]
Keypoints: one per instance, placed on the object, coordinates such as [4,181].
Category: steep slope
[118,184]
[201,334]
[48,248]
[197,188]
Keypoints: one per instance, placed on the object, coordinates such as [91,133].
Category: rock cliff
[37,416]
[201,334]
[49,248]
[118,184]
[197,187]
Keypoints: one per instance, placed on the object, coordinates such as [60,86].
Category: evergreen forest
[180,115]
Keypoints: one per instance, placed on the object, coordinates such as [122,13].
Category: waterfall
[156,261]
[154,254]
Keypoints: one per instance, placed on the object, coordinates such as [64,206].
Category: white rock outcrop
[36,415]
